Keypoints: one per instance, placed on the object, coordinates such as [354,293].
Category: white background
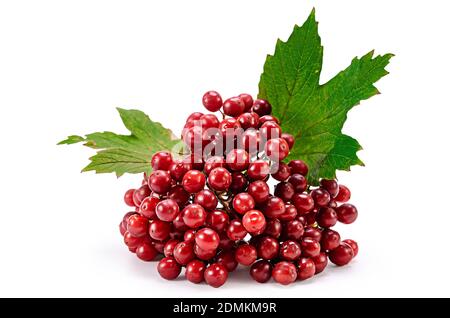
[65,65]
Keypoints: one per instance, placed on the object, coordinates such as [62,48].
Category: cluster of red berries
[212,210]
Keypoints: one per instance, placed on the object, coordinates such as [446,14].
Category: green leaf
[314,113]
[126,153]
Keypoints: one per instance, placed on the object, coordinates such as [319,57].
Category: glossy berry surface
[195,270]
[341,255]
[216,275]
[284,273]
[261,271]
[212,101]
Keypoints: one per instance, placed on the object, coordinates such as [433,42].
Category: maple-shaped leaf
[314,113]
[126,153]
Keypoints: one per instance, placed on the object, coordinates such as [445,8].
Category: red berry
[168,268]
[344,194]
[262,107]
[247,100]
[167,210]
[159,230]
[310,247]
[131,241]
[282,173]
[326,217]
[331,186]
[271,130]
[290,250]
[195,270]
[298,182]
[261,271]
[243,202]
[217,220]
[258,170]
[259,190]
[238,160]
[194,181]
[162,160]
[207,239]
[207,199]
[277,149]
[306,268]
[236,231]
[128,197]
[353,245]
[246,254]
[193,117]
[268,248]
[194,215]
[183,253]
[320,261]
[146,252]
[294,230]
[140,194]
[178,169]
[216,275]
[303,202]
[189,236]
[289,214]
[285,191]
[284,273]
[313,233]
[148,207]
[233,107]
[169,246]
[219,179]
[341,255]
[214,162]
[289,139]
[267,118]
[137,225]
[273,228]
[179,224]
[248,120]
[347,213]
[208,121]
[122,228]
[227,259]
[238,182]
[254,222]
[160,181]
[203,254]
[274,207]
[212,101]
[321,197]
[330,239]
[179,195]
[298,166]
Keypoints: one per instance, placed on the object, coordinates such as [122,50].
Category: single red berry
[169,246]
[218,220]
[248,120]
[167,210]
[277,149]
[183,253]
[146,252]
[284,273]
[148,207]
[238,160]
[259,190]
[137,225]
[162,160]
[227,259]
[268,248]
[228,128]
[159,230]
[261,271]
[273,228]
[266,118]
[258,170]
[216,275]
[306,268]
[321,197]
[289,139]
[289,214]
[178,169]
[310,247]
[212,163]
[236,231]
[274,207]
[344,194]
[320,262]
[254,222]
[140,194]
[326,217]
[195,270]
[282,173]
[207,239]
[298,182]
[238,182]
[122,228]
[131,241]
[243,202]
[298,166]
[168,268]
[128,197]
[262,107]
[246,254]
[160,181]
[294,230]
[179,195]
[247,99]
[193,117]
[194,215]
[330,239]
[290,250]
[353,245]
[312,232]
[303,202]
[194,181]
[212,101]
[341,255]
[270,130]
[233,107]
[208,121]
[331,186]
[219,179]
[207,199]
[347,213]
[285,191]
[179,224]
[203,254]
